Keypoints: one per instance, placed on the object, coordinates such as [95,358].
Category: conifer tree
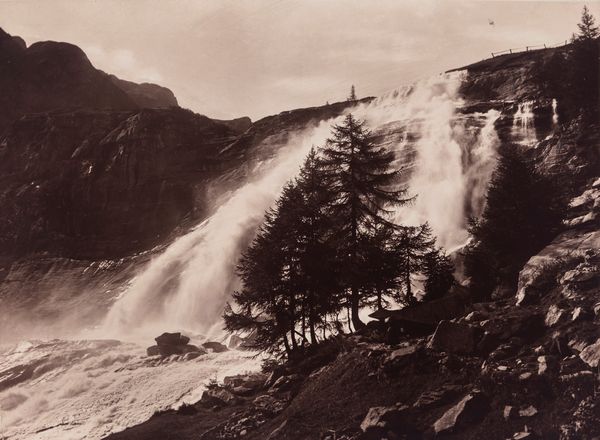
[438,269]
[352,96]
[587,27]
[523,213]
[365,187]
[411,245]
[315,244]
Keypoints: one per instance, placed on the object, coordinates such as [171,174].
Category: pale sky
[230,58]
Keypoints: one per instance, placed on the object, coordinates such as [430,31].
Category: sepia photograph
[299,220]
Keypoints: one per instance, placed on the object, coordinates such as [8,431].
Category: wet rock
[454,338]
[381,419]
[172,339]
[215,347]
[591,354]
[470,409]
[170,350]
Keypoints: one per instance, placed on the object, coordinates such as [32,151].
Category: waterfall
[447,157]
[554,112]
[187,286]
[523,124]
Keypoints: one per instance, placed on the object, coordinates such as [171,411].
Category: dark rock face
[104,184]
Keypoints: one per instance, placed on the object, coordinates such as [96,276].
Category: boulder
[286,383]
[234,342]
[252,382]
[530,411]
[169,350]
[554,316]
[219,397]
[215,347]
[591,354]
[508,412]
[172,339]
[268,403]
[541,272]
[454,338]
[437,397]
[472,408]
[381,419]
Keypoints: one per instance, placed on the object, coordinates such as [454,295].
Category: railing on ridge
[528,48]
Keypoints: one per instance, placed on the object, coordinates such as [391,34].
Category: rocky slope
[521,367]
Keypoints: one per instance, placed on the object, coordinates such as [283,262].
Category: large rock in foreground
[172,339]
[470,409]
[453,337]
[173,343]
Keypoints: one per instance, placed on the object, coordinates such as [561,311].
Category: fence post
[510,50]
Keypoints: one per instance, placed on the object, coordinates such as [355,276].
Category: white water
[88,389]
[450,173]
[554,112]
[187,286]
[95,388]
[523,127]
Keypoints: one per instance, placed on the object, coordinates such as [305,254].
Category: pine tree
[438,269]
[269,271]
[315,244]
[411,246]
[361,177]
[352,96]
[587,27]
[523,213]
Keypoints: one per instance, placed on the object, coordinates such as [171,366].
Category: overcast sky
[229,58]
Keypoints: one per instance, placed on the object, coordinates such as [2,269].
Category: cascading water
[187,286]
[554,112]
[86,389]
[453,154]
[523,124]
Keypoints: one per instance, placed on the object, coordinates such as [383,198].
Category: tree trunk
[286,344]
[311,322]
[355,309]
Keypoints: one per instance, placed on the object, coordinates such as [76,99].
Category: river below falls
[86,389]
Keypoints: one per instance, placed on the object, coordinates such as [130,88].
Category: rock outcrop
[169,344]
